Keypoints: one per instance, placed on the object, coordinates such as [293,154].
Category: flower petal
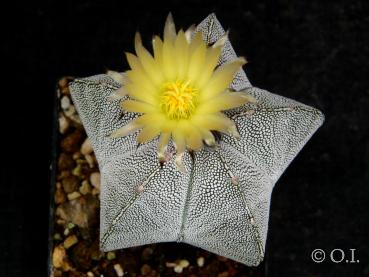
[180,144]
[189,32]
[194,138]
[138,92]
[151,118]
[216,122]
[212,59]
[196,64]
[118,77]
[147,61]
[157,45]
[138,75]
[221,78]
[207,136]
[148,133]
[169,61]
[224,101]
[196,41]
[126,129]
[179,139]
[181,47]
[169,29]
[162,145]
[119,94]
[138,107]
[221,41]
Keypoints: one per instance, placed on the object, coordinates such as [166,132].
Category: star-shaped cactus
[221,201]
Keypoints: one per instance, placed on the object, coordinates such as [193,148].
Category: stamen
[178,100]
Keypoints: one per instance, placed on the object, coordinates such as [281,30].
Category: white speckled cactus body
[221,203]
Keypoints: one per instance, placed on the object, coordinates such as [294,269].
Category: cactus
[220,201]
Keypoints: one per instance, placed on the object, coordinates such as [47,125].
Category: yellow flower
[179,91]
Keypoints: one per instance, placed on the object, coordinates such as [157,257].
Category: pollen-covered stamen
[178,100]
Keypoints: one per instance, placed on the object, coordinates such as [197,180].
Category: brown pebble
[57,273]
[96,254]
[145,269]
[63,83]
[70,241]
[70,183]
[60,259]
[147,253]
[70,143]
[76,274]
[59,255]
[82,170]
[64,174]
[65,90]
[82,211]
[59,196]
[81,256]
[65,162]
[60,222]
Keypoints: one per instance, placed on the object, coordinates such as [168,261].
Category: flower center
[178,100]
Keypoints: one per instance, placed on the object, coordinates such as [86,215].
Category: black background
[316,52]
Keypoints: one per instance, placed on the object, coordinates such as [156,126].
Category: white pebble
[178,269]
[86,147]
[66,231]
[200,261]
[95,179]
[85,188]
[184,263]
[95,191]
[168,264]
[73,195]
[119,270]
[90,161]
[65,102]
[70,112]
[63,124]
